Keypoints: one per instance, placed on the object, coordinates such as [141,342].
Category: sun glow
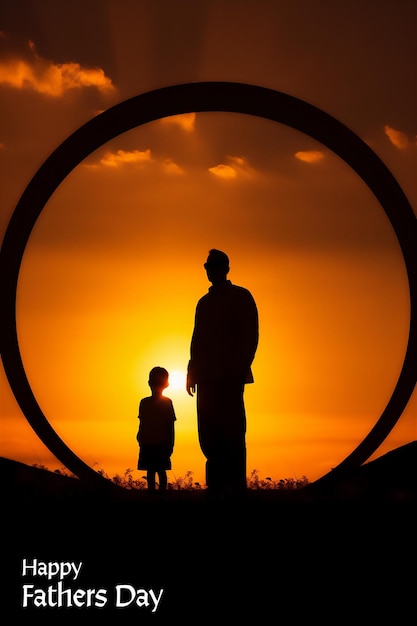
[177,380]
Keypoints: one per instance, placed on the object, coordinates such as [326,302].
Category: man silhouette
[223,346]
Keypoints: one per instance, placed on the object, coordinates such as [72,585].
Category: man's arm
[247,335]
[190,384]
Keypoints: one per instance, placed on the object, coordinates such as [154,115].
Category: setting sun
[176,380]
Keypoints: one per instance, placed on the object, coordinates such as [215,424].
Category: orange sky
[114,266]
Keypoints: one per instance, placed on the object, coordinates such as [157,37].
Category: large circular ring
[195,98]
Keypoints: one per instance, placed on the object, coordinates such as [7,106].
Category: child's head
[158,378]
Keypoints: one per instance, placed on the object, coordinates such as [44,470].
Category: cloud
[121,157]
[309,156]
[49,78]
[236,166]
[186,121]
[398,138]
[223,171]
[140,158]
[170,167]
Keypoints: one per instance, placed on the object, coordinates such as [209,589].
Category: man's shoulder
[206,298]
[241,293]
[239,289]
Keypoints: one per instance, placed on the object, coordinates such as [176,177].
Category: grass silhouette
[187,482]
[389,478]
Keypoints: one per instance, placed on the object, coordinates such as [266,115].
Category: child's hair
[158,376]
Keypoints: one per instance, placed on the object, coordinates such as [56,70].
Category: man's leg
[235,436]
[222,428]
[207,411]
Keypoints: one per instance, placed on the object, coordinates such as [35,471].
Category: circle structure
[194,98]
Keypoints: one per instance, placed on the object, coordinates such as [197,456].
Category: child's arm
[172,430]
[140,414]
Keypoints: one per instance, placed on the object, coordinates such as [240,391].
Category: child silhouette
[156,430]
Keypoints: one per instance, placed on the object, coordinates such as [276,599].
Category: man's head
[217,266]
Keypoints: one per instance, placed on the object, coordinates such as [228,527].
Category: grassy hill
[390,478]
